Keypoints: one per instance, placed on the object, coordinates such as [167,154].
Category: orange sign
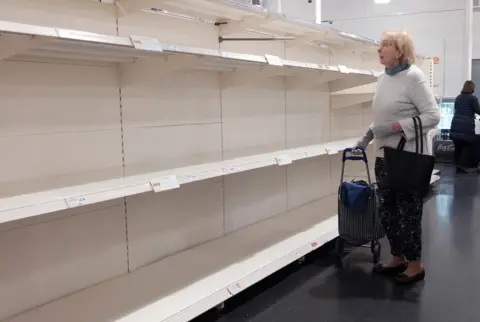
[436,60]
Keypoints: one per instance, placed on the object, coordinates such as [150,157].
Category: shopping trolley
[358,221]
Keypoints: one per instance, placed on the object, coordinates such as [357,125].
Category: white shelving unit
[150,172]
[34,42]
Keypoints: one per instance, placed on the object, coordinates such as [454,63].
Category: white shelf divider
[35,204]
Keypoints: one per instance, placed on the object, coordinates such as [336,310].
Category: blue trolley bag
[358,221]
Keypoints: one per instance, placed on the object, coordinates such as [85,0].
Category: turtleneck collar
[395,70]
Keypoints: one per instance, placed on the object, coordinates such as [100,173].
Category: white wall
[437,26]
[476,35]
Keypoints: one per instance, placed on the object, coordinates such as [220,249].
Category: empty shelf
[240,17]
[35,204]
[27,42]
[184,285]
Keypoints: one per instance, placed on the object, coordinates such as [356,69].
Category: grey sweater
[399,98]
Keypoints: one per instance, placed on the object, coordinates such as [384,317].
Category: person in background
[462,128]
[402,93]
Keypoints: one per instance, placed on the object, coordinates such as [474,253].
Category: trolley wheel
[339,249]
[376,248]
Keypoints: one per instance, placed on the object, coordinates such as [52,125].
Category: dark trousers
[401,216]
[463,153]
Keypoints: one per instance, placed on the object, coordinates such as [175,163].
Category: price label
[166,183]
[284,159]
[192,177]
[343,69]
[230,170]
[274,60]
[235,288]
[146,43]
[76,201]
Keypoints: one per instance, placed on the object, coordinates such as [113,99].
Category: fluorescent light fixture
[382,1]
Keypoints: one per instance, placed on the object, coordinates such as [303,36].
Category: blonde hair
[403,44]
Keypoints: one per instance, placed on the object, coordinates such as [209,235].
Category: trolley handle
[362,157]
[350,157]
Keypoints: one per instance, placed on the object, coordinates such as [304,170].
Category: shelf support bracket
[11,46]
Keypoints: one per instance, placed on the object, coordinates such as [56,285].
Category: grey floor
[317,292]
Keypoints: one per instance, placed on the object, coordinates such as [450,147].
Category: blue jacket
[463,122]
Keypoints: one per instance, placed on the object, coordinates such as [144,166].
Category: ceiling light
[382,1]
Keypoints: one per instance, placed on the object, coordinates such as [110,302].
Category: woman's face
[388,53]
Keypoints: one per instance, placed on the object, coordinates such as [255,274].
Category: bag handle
[420,132]
[418,136]
[415,125]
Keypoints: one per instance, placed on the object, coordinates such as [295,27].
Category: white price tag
[192,177]
[74,202]
[274,60]
[235,288]
[146,43]
[343,69]
[284,159]
[165,183]
[230,170]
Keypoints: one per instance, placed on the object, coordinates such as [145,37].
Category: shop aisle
[317,292]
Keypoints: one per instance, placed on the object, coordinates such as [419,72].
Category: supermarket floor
[317,292]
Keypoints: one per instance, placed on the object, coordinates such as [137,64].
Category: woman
[462,129]
[402,93]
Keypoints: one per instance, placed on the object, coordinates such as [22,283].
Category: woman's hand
[396,127]
[364,141]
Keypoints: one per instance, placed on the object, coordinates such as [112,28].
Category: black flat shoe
[385,270]
[405,279]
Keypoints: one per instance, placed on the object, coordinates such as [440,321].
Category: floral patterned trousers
[401,217]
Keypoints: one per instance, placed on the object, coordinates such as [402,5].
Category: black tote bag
[409,172]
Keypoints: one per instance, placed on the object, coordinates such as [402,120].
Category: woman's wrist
[386,129]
